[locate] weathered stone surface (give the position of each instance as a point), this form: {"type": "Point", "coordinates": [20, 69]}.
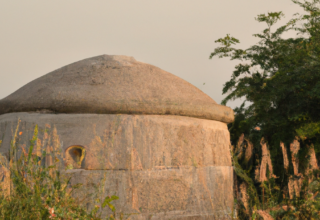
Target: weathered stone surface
{"type": "Point", "coordinates": [124, 142]}
{"type": "Point", "coordinates": [114, 84]}
{"type": "Point", "coordinates": [183, 193]}
{"type": "Point", "coordinates": [160, 166]}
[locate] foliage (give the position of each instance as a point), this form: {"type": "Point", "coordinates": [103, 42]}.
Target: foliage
{"type": "Point", "coordinates": [39, 192]}
{"type": "Point", "coordinates": [279, 78]}
{"type": "Point", "coordinates": [279, 81]}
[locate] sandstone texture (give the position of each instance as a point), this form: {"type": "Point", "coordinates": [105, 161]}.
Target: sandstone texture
{"type": "Point", "coordinates": [187, 193]}
{"type": "Point", "coordinates": [168, 167]}
{"type": "Point", "coordinates": [111, 85]}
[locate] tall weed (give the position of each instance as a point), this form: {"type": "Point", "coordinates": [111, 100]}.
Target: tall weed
{"type": "Point", "coordinates": [30, 190]}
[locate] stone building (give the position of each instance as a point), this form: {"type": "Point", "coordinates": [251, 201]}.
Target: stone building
{"type": "Point", "coordinates": [154, 140]}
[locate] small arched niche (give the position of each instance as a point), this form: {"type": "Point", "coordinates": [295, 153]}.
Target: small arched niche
{"type": "Point", "coordinates": [74, 156]}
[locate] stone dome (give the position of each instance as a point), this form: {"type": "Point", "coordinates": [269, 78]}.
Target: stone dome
{"type": "Point", "coordinates": [109, 84]}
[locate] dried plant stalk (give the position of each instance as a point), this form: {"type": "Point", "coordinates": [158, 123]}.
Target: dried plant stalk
{"type": "Point", "coordinates": [264, 215]}
{"type": "Point", "coordinates": [313, 163]}
{"type": "Point", "coordinates": [298, 185]}
{"type": "Point", "coordinates": [5, 182]}
{"type": "Point", "coordinates": [238, 150]}
{"type": "Point", "coordinates": [294, 148]}
{"type": "Point", "coordinates": [291, 188]}
{"type": "Point", "coordinates": [231, 147]}
{"type": "Point", "coordinates": [285, 156]}
{"type": "Point", "coordinates": [295, 185]}
{"type": "Point", "coordinates": [265, 162]}
{"type": "Point", "coordinates": [249, 151]}
{"type": "Point", "coordinates": [244, 195]}
{"type": "Point", "coordinates": [257, 173]}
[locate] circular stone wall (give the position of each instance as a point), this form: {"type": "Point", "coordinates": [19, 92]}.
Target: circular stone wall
{"type": "Point", "coordinates": [161, 167]}
{"type": "Point", "coordinates": [128, 128]}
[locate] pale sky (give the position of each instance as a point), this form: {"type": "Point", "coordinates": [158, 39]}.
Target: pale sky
{"type": "Point", "coordinates": [37, 37]}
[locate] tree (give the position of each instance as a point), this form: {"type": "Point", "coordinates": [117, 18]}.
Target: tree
{"type": "Point", "coordinates": [279, 80]}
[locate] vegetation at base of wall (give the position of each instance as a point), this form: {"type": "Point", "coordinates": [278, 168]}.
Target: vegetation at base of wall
{"type": "Point", "coordinates": [29, 190]}
{"type": "Point", "coordinates": [299, 199]}
{"type": "Point", "coordinates": [279, 80]}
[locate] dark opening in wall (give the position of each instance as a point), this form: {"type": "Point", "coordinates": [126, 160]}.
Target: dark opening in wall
{"type": "Point", "coordinates": [74, 157]}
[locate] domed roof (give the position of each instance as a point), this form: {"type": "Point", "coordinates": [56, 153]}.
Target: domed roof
{"type": "Point", "coordinates": [113, 85]}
